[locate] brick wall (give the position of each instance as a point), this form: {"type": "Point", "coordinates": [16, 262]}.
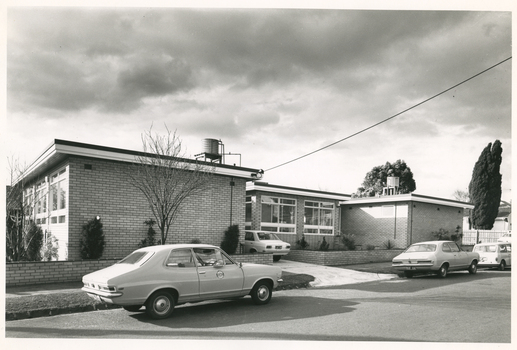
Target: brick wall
{"type": "Point", "coordinates": [429, 218]}
{"type": "Point", "coordinates": [30, 273]}
{"type": "Point", "coordinates": [376, 231]}
{"type": "Point", "coordinates": [103, 189]}
{"type": "Point", "coordinates": [338, 258]}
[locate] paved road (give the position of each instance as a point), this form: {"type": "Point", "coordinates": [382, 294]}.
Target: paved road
{"type": "Point", "coordinates": [460, 308]}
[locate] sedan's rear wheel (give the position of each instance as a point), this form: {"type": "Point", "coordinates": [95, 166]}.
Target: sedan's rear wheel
{"type": "Point", "coordinates": [473, 268]}
{"type": "Point", "coordinates": [502, 266]}
{"type": "Point", "coordinates": [408, 274]}
{"type": "Point", "coordinates": [442, 272]}
{"type": "Point", "coordinates": [160, 305]}
{"type": "Point", "coordinates": [261, 293]}
{"type": "Point", "coordinates": [132, 308]}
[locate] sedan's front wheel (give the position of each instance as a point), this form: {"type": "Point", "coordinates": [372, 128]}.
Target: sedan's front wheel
{"type": "Point", "coordinates": [160, 305]}
{"type": "Point", "coordinates": [473, 268]}
{"type": "Point", "coordinates": [442, 272]}
{"type": "Point", "coordinates": [261, 293]}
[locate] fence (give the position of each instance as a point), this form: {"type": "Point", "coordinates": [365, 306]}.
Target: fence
{"type": "Point", "coordinates": [471, 237]}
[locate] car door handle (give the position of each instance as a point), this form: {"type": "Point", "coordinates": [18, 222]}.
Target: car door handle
{"type": "Point", "coordinates": [202, 272]}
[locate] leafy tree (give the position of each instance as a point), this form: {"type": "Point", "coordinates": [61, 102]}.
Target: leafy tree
{"type": "Point", "coordinates": [231, 239]}
{"type": "Point", "coordinates": [375, 180]}
{"type": "Point", "coordinates": [166, 178]}
{"type": "Point", "coordinates": [485, 187]}
{"type": "Point", "coordinates": [92, 242]}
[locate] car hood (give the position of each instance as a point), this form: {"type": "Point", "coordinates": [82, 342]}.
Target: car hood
{"type": "Point", "coordinates": [250, 267]}
{"type": "Point", "coordinates": [104, 275]}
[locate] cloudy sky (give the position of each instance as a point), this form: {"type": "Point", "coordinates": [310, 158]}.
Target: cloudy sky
{"type": "Point", "coordinates": [272, 84]}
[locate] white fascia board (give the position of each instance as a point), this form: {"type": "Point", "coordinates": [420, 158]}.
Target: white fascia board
{"type": "Point", "coordinates": [131, 158]}
{"type": "Point", "coordinates": [406, 198]}
{"type": "Point", "coordinates": [45, 156]}
{"type": "Point", "coordinates": [295, 192]}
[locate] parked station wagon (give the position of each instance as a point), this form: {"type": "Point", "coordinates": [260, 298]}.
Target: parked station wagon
{"type": "Point", "coordinates": [494, 254]}
{"type": "Point", "coordinates": [265, 242]}
{"type": "Point", "coordinates": [160, 277]}
{"type": "Point", "coordinates": [438, 257]}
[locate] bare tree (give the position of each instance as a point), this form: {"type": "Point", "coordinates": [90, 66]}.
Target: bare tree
{"type": "Point", "coordinates": [23, 237]}
{"type": "Point", "coordinates": [462, 196]}
{"type": "Point", "coordinates": [166, 178]}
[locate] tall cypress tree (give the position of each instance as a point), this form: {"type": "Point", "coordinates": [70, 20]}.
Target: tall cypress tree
{"type": "Point", "coordinates": [485, 187]}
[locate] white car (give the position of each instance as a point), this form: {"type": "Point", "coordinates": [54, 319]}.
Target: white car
{"type": "Point", "coordinates": [160, 277]}
{"type": "Point", "coordinates": [506, 237]}
{"type": "Point", "coordinates": [438, 257]}
{"type": "Point", "coordinates": [265, 242]}
{"type": "Point", "coordinates": [494, 254]}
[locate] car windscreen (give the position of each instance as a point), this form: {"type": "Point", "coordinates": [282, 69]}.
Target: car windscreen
{"type": "Point", "coordinates": [135, 258]}
{"type": "Point", "coordinates": [421, 248]}
{"type": "Point", "coordinates": [266, 236]}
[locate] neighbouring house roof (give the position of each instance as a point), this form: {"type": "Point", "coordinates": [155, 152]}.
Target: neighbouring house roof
{"type": "Point", "coordinates": [264, 186]}
{"type": "Point", "coordinates": [59, 150]}
{"type": "Point", "coordinates": [409, 197]}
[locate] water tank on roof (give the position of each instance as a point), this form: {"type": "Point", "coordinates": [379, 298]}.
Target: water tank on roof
{"type": "Point", "coordinates": [211, 146]}
{"type": "Point", "coordinates": [393, 181]}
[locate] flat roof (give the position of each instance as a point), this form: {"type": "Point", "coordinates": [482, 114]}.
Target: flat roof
{"type": "Point", "coordinates": [264, 186]}
{"type": "Point", "coordinates": [409, 197]}
{"type": "Point", "coordinates": [59, 150]}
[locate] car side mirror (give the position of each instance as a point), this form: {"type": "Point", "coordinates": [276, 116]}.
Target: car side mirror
{"type": "Point", "coordinates": [219, 263]}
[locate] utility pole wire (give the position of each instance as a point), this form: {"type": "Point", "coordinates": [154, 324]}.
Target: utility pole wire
{"type": "Point", "coordinates": [393, 116]}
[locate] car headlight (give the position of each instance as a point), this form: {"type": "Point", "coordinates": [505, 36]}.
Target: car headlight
{"type": "Point", "coordinates": [268, 247]}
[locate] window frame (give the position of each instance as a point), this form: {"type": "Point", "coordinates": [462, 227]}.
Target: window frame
{"type": "Point", "coordinates": [318, 228]}
{"type": "Point", "coordinates": [279, 207]}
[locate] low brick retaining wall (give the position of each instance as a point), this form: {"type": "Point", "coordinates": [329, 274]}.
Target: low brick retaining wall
{"type": "Point", "coordinates": [342, 257]}
{"type": "Point", "coordinates": [41, 272]}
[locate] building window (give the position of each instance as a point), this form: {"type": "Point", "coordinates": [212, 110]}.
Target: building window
{"type": "Point", "coordinates": [58, 197]}
{"type": "Point", "coordinates": [319, 218]}
{"type": "Point", "coordinates": [278, 214]}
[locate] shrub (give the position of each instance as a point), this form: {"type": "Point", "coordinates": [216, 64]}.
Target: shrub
{"type": "Point", "coordinates": [50, 248]}
{"type": "Point", "coordinates": [150, 240]}
{"type": "Point", "coordinates": [388, 245]}
{"type": "Point", "coordinates": [457, 235]}
{"type": "Point", "coordinates": [302, 243]}
{"type": "Point", "coordinates": [370, 247]}
{"type": "Point", "coordinates": [92, 241]}
{"type": "Point", "coordinates": [441, 234]}
{"type": "Point", "coordinates": [231, 239]}
{"type": "Point", "coordinates": [324, 245]}
{"type": "Point", "coordinates": [33, 242]}
{"type": "Point", "coordinates": [195, 241]}
{"type": "Point", "coordinates": [349, 241]}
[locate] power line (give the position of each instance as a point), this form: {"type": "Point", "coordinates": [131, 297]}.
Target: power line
{"type": "Point", "coordinates": [393, 116]}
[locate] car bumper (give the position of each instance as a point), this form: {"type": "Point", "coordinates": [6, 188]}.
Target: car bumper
{"type": "Point", "coordinates": [415, 267]}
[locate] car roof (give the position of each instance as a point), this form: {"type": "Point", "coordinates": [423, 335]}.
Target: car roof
{"type": "Point", "coordinates": [432, 242]}
{"type": "Point", "coordinates": [157, 248]}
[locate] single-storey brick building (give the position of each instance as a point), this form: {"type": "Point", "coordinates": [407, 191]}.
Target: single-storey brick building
{"type": "Point", "coordinates": [402, 219]}
{"type": "Point", "coordinates": [71, 183]}
{"type": "Point", "coordinates": [290, 211]}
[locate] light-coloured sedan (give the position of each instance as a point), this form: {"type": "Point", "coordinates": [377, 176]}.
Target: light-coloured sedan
{"type": "Point", "coordinates": [265, 242]}
{"type": "Point", "coordinates": [438, 257]}
{"type": "Point", "coordinates": [160, 277]}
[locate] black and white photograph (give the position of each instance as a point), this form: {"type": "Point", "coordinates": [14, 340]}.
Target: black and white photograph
{"type": "Point", "coordinates": [245, 174]}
